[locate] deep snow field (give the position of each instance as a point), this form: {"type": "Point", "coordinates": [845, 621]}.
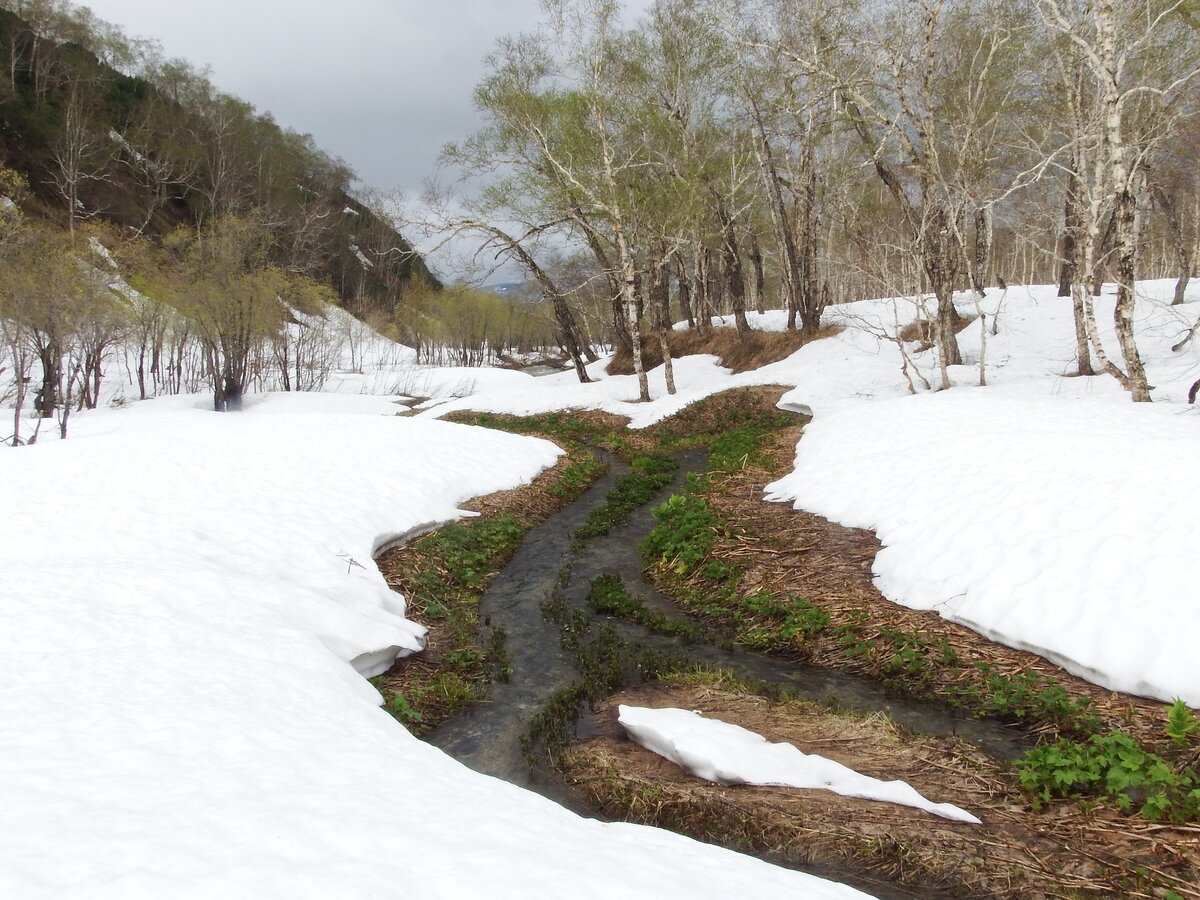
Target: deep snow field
{"type": "Point", "coordinates": [190, 604]}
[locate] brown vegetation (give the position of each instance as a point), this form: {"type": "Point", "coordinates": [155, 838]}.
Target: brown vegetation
{"type": "Point", "coordinates": [797, 553]}
{"type": "Point", "coordinates": [739, 352]}
{"type": "Point", "coordinates": [1069, 851]}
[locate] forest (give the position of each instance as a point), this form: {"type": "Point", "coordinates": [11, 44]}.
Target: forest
{"type": "Point", "coordinates": [713, 157]}
{"type": "Point", "coordinates": [725, 155]}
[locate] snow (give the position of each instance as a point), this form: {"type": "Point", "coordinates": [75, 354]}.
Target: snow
{"type": "Point", "coordinates": [186, 629]}
{"type": "Point", "coordinates": [1061, 527]}
{"type": "Point", "coordinates": [729, 754]}
{"type": "Point", "coordinates": [181, 672]}
{"type": "Point", "coordinates": [1045, 511]}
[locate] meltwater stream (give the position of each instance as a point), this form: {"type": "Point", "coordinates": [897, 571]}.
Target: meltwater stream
{"type": "Point", "coordinates": [487, 738]}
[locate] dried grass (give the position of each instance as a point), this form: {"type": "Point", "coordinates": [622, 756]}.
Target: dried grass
{"type": "Point", "coordinates": [1015, 853]}
{"type": "Point", "coordinates": [790, 551]}
{"type": "Point", "coordinates": [739, 352]}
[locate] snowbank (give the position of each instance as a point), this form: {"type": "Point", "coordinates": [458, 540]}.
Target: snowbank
{"type": "Point", "coordinates": [1062, 527]}
{"type": "Point", "coordinates": [184, 595]}
{"type": "Point", "coordinates": [729, 754]}
{"type": "Point", "coordinates": [1046, 512]}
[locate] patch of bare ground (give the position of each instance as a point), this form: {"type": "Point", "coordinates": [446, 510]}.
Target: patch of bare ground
{"type": "Point", "coordinates": [1071, 852]}
{"type": "Point", "coordinates": [739, 352]}
{"type": "Point", "coordinates": [920, 332]}
{"type": "Point", "coordinates": [793, 552]}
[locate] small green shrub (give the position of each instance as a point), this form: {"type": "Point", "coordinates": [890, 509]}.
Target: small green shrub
{"type": "Point", "coordinates": [1181, 723]}
{"type": "Point", "coordinates": [1027, 697]}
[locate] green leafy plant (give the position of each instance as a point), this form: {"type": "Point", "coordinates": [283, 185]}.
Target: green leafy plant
{"type": "Point", "coordinates": [684, 536]}
{"type": "Point", "coordinates": [608, 596]}
{"type": "Point", "coordinates": [1113, 766]}
{"type": "Point", "coordinates": [1181, 723]}
{"type": "Point", "coordinates": [1027, 697]}
{"type": "Point", "coordinates": [403, 711]}
{"type": "Point", "coordinates": [650, 475]}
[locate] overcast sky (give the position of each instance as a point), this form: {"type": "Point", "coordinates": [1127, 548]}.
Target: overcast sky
{"type": "Point", "coordinates": [383, 84]}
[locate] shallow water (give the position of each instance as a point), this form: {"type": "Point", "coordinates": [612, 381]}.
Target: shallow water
{"type": "Point", "coordinates": [487, 737]}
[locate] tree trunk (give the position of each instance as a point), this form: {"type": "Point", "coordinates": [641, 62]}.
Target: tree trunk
{"type": "Point", "coordinates": [1183, 255]}
{"type": "Point", "coordinates": [983, 249]}
{"type": "Point", "coordinates": [46, 399]}
{"type": "Point", "coordinates": [569, 333]}
{"type": "Point", "coordinates": [622, 339]}
{"type": "Point", "coordinates": [760, 277]}
{"type": "Point", "coordinates": [1070, 242]}
{"type": "Point", "coordinates": [685, 293]}
{"type": "Point", "coordinates": [630, 300]}
{"type": "Point", "coordinates": [781, 221]}
{"type": "Point", "coordinates": [701, 294]}
{"type": "Point", "coordinates": [732, 264]}
{"type": "Point", "coordinates": [1126, 214]}
{"type": "Point", "coordinates": [811, 300]}
{"type": "Point", "coordinates": [940, 257]}
{"type": "Point", "coordinates": [1082, 349]}
{"type": "Point", "coordinates": [1124, 218]}
{"type": "Point", "coordinates": [660, 310]}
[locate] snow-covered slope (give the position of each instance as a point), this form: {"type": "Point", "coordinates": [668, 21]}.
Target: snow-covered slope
{"type": "Point", "coordinates": [1049, 513]}
{"type": "Point", "coordinates": [184, 599]}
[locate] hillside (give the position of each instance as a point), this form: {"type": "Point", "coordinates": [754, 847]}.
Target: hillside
{"type": "Point", "coordinates": [163, 148]}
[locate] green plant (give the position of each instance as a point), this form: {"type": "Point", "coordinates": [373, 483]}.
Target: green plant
{"type": "Point", "coordinates": [609, 597]}
{"type": "Point", "coordinates": [1113, 766]}
{"type": "Point", "coordinates": [684, 536]}
{"type": "Point", "coordinates": [572, 623]}
{"type": "Point", "coordinates": [497, 658]}
{"type": "Point", "coordinates": [1181, 723]}
{"type": "Point", "coordinates": [575, 478]}
{"type": "Point", "coordinates": [1027, 697]}
{"type": "Point", "coordinates": [403, 711]}
{"type": "Point", "coordinates": [738, 448]}
{"type": "Point", "coordinates": [650, 475]}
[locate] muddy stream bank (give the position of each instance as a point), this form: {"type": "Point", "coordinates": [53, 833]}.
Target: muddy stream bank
{"type": "Point", "coordinates": [551, 564]}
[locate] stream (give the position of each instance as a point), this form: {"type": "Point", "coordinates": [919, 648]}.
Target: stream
{"type": "Point", "coordinates": [487, 737]}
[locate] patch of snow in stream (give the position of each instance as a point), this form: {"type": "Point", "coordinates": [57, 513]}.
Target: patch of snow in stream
{"type": "Point", "coordinates": [725, 753]}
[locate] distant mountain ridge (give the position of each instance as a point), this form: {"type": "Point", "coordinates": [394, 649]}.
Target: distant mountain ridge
{"type": "Point", "coordinates": [163, 148]}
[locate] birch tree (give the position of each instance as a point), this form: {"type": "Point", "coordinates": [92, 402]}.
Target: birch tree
{"type": "Point", "coordinates": [1138, 68]}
